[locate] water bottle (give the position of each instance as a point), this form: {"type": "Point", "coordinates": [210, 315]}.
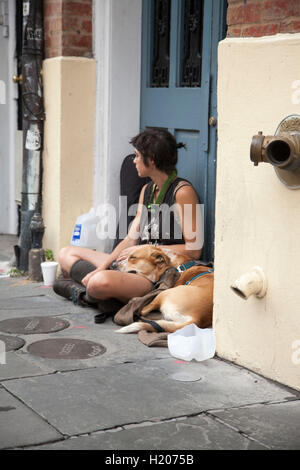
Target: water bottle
{"type": "Point", "coordinates": [85, 231]}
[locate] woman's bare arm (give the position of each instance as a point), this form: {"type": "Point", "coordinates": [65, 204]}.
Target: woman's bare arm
{"type": "Point", "coordinates": [189, 212]}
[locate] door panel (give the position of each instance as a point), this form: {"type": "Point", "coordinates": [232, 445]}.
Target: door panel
{"type": "Point", "coordinates": [189, 167]}
{"type": "Point", "coordinates": [179, 47]}
{"type": "Point", "coordinates": [175, 106]}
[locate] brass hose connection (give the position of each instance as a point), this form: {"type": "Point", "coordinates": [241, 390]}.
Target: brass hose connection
{"type": "Point", "coordinates": [282, 150]}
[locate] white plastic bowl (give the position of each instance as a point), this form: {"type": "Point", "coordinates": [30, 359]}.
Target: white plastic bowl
{"type": "Point", "coordinates": [191, 342]}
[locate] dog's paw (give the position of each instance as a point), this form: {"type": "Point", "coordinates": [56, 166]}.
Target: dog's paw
{"type": "Point", "coordinates": [132, 328]}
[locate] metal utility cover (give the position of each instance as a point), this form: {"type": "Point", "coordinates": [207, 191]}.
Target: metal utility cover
{"type": "Point", "coordinates": [33, 325]}
{"type": "Point", "coordinates": [187, 376]}
{"type": "Point", "coordinates": [66, 348]}
{"type": "Point", "coordinates": [12, 343]}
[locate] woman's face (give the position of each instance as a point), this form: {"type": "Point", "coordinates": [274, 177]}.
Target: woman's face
{"type": "Point", "coordinates": [141, 168]}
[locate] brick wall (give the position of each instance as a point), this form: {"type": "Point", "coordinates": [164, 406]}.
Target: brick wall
{"type": "Point", "coordinates": [262, 17]}
{"type": "Point", "coordinates": [69, 31]}
{"type": "Point", "coordinates": [68, 28]}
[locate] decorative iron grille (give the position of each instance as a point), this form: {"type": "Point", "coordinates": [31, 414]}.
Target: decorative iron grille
{"type": "Point", "coordinates": [161, 43]}
{"type": "Point", "coordinates": [192, 44]}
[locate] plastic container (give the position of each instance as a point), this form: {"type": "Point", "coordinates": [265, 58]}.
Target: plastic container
{"type": "Point", "coordinates": [49, 270]}
{"type": "Point", "coordinates": [191, 342]}
{"type": "Point", "coordinates": [85, 231]}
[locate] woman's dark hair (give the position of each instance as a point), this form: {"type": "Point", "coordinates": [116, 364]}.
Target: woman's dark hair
{"type": "Point", "coordinates": [160, 145]}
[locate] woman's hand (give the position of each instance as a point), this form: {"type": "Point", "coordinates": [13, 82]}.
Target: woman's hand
{"type": "Point", "coordinates": [124, 254]}
{"type": "Point", "coordinates": [87, 278]}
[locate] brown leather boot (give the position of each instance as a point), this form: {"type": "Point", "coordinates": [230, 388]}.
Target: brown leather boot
{"type": "Point", "coordinates": [107, 308]}
{"type": "Point", "coordinates": [70, 290]}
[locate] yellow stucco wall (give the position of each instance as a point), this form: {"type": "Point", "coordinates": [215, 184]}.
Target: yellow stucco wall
{"type": "Point", "coordinates": [257, 217]}
{"type": "Point", "coordinates": [69, 90]}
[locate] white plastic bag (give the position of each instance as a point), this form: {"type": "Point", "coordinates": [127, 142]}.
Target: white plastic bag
{"type": "Point", "coordinates": [191, 342]}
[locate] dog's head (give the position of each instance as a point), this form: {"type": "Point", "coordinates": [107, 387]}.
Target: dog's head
{"type": "Point", "coordinates": [150, 262]}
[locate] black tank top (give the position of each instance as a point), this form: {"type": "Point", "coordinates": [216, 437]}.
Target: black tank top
{"type": "Point", "coordinates": [161, 225]}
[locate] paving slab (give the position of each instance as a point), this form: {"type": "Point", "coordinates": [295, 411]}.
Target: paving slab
{"type": "Point", "coordinates": [88, 400]}
{"type": "Point", "coordinates": [17, 366]}
{"type": "Point", "coordinates": [197, 433]}
{"type": "Point", "coordinates": [228, 383]}
{"type": "Point", "coordinates": [42, 309]}
{"type": "Point", "coordinates": [35, 302]}
{"type": "Point", "coordinates": [4, 259]}
{"type": "Point", "coordinates": [5, 314]}
{"type": "Point", "coordinates": [275, 425]}
{"type": "Point", "coordinates": [20, 426]}
{"type": "Point", "coordinates": [119, 348]}
{"type": "Point", "coordinates": [16, 287]}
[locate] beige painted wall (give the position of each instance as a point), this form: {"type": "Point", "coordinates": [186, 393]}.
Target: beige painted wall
{"type": "Point", "coordinates": [257, 217]}
{"type": "Point", "coordinates": [69, 89]}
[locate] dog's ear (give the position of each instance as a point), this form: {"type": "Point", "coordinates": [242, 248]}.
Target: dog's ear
{"type": "Point", "coordinates": [160, 258]}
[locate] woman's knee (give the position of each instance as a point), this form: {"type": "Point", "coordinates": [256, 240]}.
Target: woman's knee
{"type": "Point", "coordinates": [67, 257]}
{"type": "Point", "coordinates": [99, 286]}
{"type": "Point", "coordinates": [63, 253]}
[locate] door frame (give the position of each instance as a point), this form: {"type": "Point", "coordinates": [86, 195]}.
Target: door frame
{"type": "Point", "coordinates": [117, 50]}
{"type": "Point", "coordinates": [218, 32]}
{"type": "Point", "coordinates": [12, 97]}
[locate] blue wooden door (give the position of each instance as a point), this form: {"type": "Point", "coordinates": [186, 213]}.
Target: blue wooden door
{"type": "Point", "coordinates": [179, 49]}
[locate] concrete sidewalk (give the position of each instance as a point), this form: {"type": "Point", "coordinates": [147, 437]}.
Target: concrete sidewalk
{"type": "Point", "coordinates": [109, 391]}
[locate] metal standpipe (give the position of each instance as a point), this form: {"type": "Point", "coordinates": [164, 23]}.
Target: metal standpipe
{"type": "Point", "coordinates": [33, 122]}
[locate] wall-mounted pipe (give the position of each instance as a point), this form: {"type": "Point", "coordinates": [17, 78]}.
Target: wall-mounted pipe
{"type": "Point", "coordinates": [281, 150]}
{"type": "Point", "coordinates": [253, 282]}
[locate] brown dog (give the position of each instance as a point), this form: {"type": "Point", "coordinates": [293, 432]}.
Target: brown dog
{"type": "Point", "coordinates": [151, 262]}
{"type": "Point", "coordinates": [181, 305]}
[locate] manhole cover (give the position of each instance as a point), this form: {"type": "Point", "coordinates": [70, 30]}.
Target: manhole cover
{"type": "Point", "coordinates": [33, 325]}
{"type": "Point", "coordinates": [66, 348]}
{"type": "Point", "coordinates": [12, 343]}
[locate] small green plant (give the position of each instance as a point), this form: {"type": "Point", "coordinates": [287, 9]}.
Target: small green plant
{"type": "Point", "coordinates": [15, 272]}
{"type": "Point", "coordinates": [49, 255]}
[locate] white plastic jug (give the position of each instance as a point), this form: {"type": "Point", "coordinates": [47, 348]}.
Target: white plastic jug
{"type": "Point", "coordinates": [191, 342]}
{"type": "Point", "coordinates": [85, 231]}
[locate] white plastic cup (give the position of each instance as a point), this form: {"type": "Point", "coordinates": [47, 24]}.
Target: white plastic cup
{"type": "Point", "coordinates": [191, 342]}
{"type": "Point", "coordinates": [49, 270]}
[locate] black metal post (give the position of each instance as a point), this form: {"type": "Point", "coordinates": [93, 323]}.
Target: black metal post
{"type": "Point", "coordinates": [33, 121]}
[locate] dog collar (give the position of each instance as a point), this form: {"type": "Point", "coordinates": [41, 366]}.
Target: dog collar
{"type": "Point", "coordinates": [199, 275]}
{"type": "Point", "coordinates": [184, 267]}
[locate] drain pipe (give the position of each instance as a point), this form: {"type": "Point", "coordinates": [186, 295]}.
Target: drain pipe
{"type": "Point", "coordinates": [253, 282]}
{"type": "Point", "coordinates": [33, 123]}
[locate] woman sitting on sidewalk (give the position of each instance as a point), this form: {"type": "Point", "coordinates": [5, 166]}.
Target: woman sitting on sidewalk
{"type": "Point", "coordinates": [155, 157]}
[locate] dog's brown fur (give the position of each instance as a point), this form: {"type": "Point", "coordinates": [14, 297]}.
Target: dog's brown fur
{"type": "Point", "coordinates": [151, 262]}
{"type": "Point", "coordinates": [180, 305]}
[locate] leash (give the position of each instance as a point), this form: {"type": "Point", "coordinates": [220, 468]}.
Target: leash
{"type": "Point", "coordinates": [155, 325]}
